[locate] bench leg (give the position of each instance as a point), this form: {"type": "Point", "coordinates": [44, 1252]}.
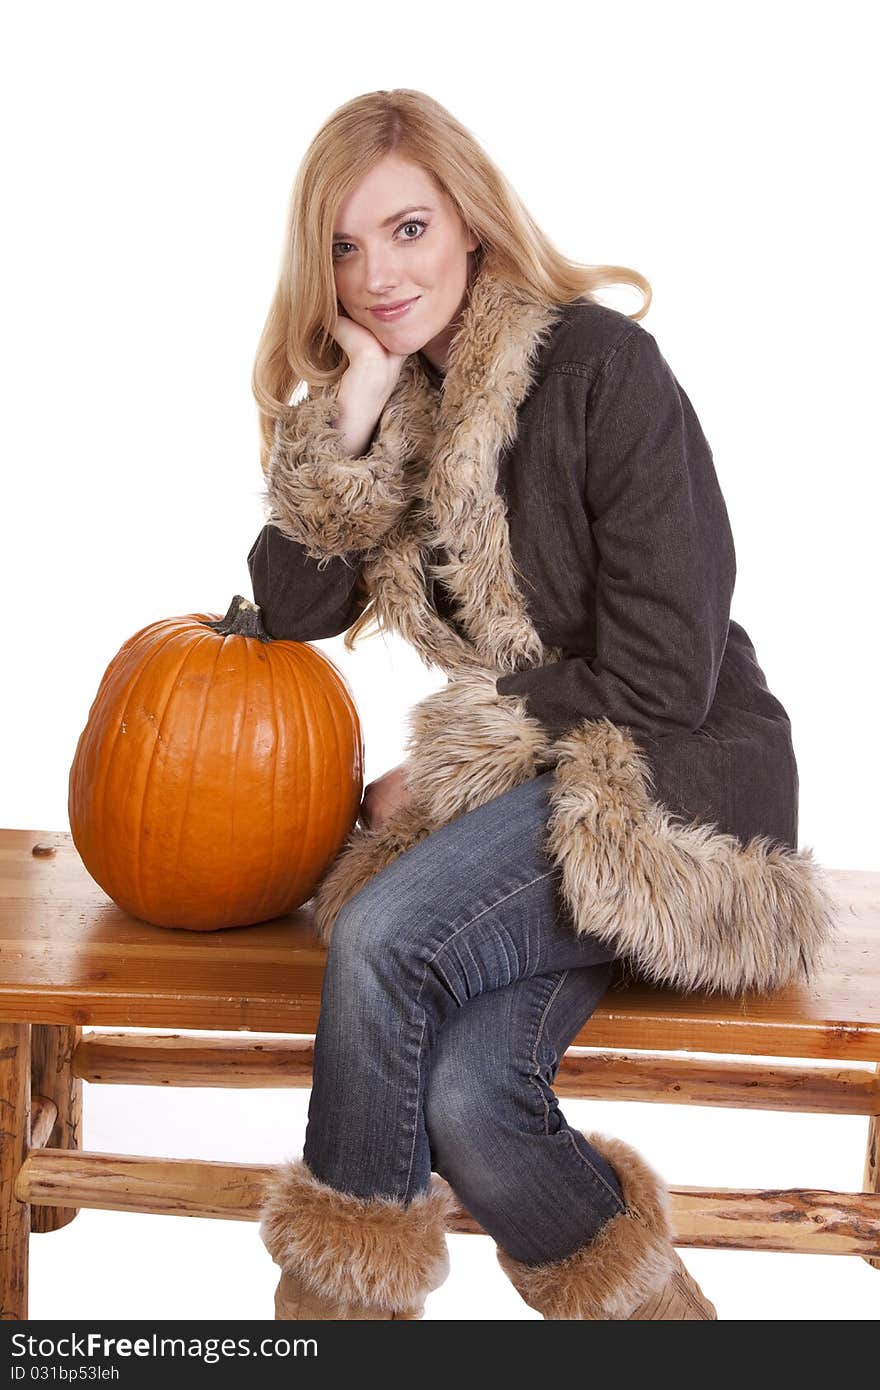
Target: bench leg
{"type": "Point", "coordinates": [15, 1106]}
{"type": "Point", "coordinates": [872, 1166]}
{"type": "Point", "coordinates": [52, 1050]}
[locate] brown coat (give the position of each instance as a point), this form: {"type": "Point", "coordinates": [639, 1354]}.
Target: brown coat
{"type": "Point", "coordinates": [546, 525]}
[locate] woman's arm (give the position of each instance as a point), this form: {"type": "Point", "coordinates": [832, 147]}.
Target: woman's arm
{"type": "Point", "coordinates": [667, 562]}
{"type": "Point", "coordinates": [302, 599]}
{"type": "Point", "coordinates": [321, 497]}
{"type": "Point", "coordinates": [327, 506]}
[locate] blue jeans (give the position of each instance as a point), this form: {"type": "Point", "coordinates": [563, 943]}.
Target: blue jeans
{"type": "Point", "coordinates": [454, 983]}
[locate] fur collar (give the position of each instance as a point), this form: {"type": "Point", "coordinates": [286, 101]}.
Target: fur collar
{"type": "Point", "coordinates": [459, 432]}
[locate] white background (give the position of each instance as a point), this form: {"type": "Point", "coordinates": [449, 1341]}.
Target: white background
{"type": "Point", "coordinates": [726, 151]}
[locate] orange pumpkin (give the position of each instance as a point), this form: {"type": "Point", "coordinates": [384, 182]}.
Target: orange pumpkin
{"type": "Point", "coordinates": [218, 773]}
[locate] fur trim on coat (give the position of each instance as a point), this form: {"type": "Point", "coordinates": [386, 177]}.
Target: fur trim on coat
{"type": "Point", "coordinates": [327, 501]}
{"type": "Point", "coordinates": [692, 907]}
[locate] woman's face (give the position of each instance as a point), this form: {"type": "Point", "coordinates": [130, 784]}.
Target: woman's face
{"type": "Point", "coordinates": [396, 237]}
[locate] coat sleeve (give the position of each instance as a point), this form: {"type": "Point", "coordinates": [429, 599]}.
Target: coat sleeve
{"type": "Point", "coordinates": [302, 599]}
{"type": "Point", "coordinates": [666, 560]}
{"type": "Point", "coordinates": [323, 499]}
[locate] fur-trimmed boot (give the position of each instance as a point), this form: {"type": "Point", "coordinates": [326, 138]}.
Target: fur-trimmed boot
{"type": "Point", "coordinates": [630, 1270]}
{"type": "Point", "coordinates": [348, 1257]}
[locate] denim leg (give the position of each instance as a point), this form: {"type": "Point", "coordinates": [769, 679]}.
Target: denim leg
{"type": "Point", "coordinates": [470, 909]}
{"type": "Point", "coordinates": [496, 1131]}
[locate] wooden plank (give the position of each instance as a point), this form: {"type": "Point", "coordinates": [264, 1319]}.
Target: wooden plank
{"type": "Point", "coordinates": [15, 1114]}
{"type": "Point", "coordinates": [673, 1080]}
{"type": "Point", "coordinates": [68, 955]}
{"type": "Point", "coordinates": [871, 1180]}
{"type": "Point", "coordinates": [797, 1220]}
{"type": "Point", "coordinates": [53, 1079]}
{"type": "Point", "coordinates": [44, 1116]}
{"type": "Point", "coordinates": [132, 1059]}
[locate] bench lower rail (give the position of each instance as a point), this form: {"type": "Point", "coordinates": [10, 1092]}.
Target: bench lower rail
{"type": "Point", "coordinates": [130, 1059]}
{"type": "Point", "coordinates": [799, 1220]}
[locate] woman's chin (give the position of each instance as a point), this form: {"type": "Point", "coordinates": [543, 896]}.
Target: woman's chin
{"type": "Point", "coordinates": [400, 341]}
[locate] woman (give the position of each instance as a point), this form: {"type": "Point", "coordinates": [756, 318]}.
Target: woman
{"type": "Point", "coordinates": [506, 473]}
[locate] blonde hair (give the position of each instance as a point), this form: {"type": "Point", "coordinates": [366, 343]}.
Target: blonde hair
{"type": "Point", "coordinates": [296, 346]}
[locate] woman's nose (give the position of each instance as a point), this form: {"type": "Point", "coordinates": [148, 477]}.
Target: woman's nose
{"type": "Point", "coordinates": [381, 277]}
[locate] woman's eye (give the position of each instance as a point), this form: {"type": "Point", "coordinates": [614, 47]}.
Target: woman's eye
{"type": "Point", "coordinates": [414, 222]}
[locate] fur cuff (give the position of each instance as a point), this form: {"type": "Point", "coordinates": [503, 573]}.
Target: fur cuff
{"type": "Point", "coordinates": [630, 1258]}
{"type": "Point", "coordinates": [354, 1249]}
{"type": "Point", "coordinates": [322, 498]}
{"type": "Point", "coordinates": [469, 743]}
{"type": "Point", "coordinates": [694, 908]}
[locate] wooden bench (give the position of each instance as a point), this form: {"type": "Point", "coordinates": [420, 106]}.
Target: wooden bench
{"type": "Point", "coordinates": [69, 958]}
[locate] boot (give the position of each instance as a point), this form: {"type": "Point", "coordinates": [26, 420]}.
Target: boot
{"type": "Point", "coordinates": [630, 1270]}
{"type": "Point", "coordinates": [296, 1299]}
{"type": "Point", "coordinates": [347, 1257]}
{"type": "Point", "coordinates": [680, 1298]}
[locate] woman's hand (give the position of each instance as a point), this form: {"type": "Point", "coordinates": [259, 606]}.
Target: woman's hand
{"type": "Point", "coordinates": [368, 357]}
{"type": "Point", "coordinates": [384, 796]}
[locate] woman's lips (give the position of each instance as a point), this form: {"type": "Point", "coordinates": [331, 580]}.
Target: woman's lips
{"type": "Point", "coordinates": [387, 315]}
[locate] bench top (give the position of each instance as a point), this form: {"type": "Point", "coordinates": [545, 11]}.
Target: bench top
{"type": "Point", "coordinates": [69, 955]}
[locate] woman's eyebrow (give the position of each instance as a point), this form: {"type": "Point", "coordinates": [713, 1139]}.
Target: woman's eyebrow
{"type": "Point", "coordinates": [395, 217]}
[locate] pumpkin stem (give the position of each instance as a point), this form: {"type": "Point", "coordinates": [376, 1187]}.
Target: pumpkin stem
{"type": "Point", "coordinates": [243, 619]}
